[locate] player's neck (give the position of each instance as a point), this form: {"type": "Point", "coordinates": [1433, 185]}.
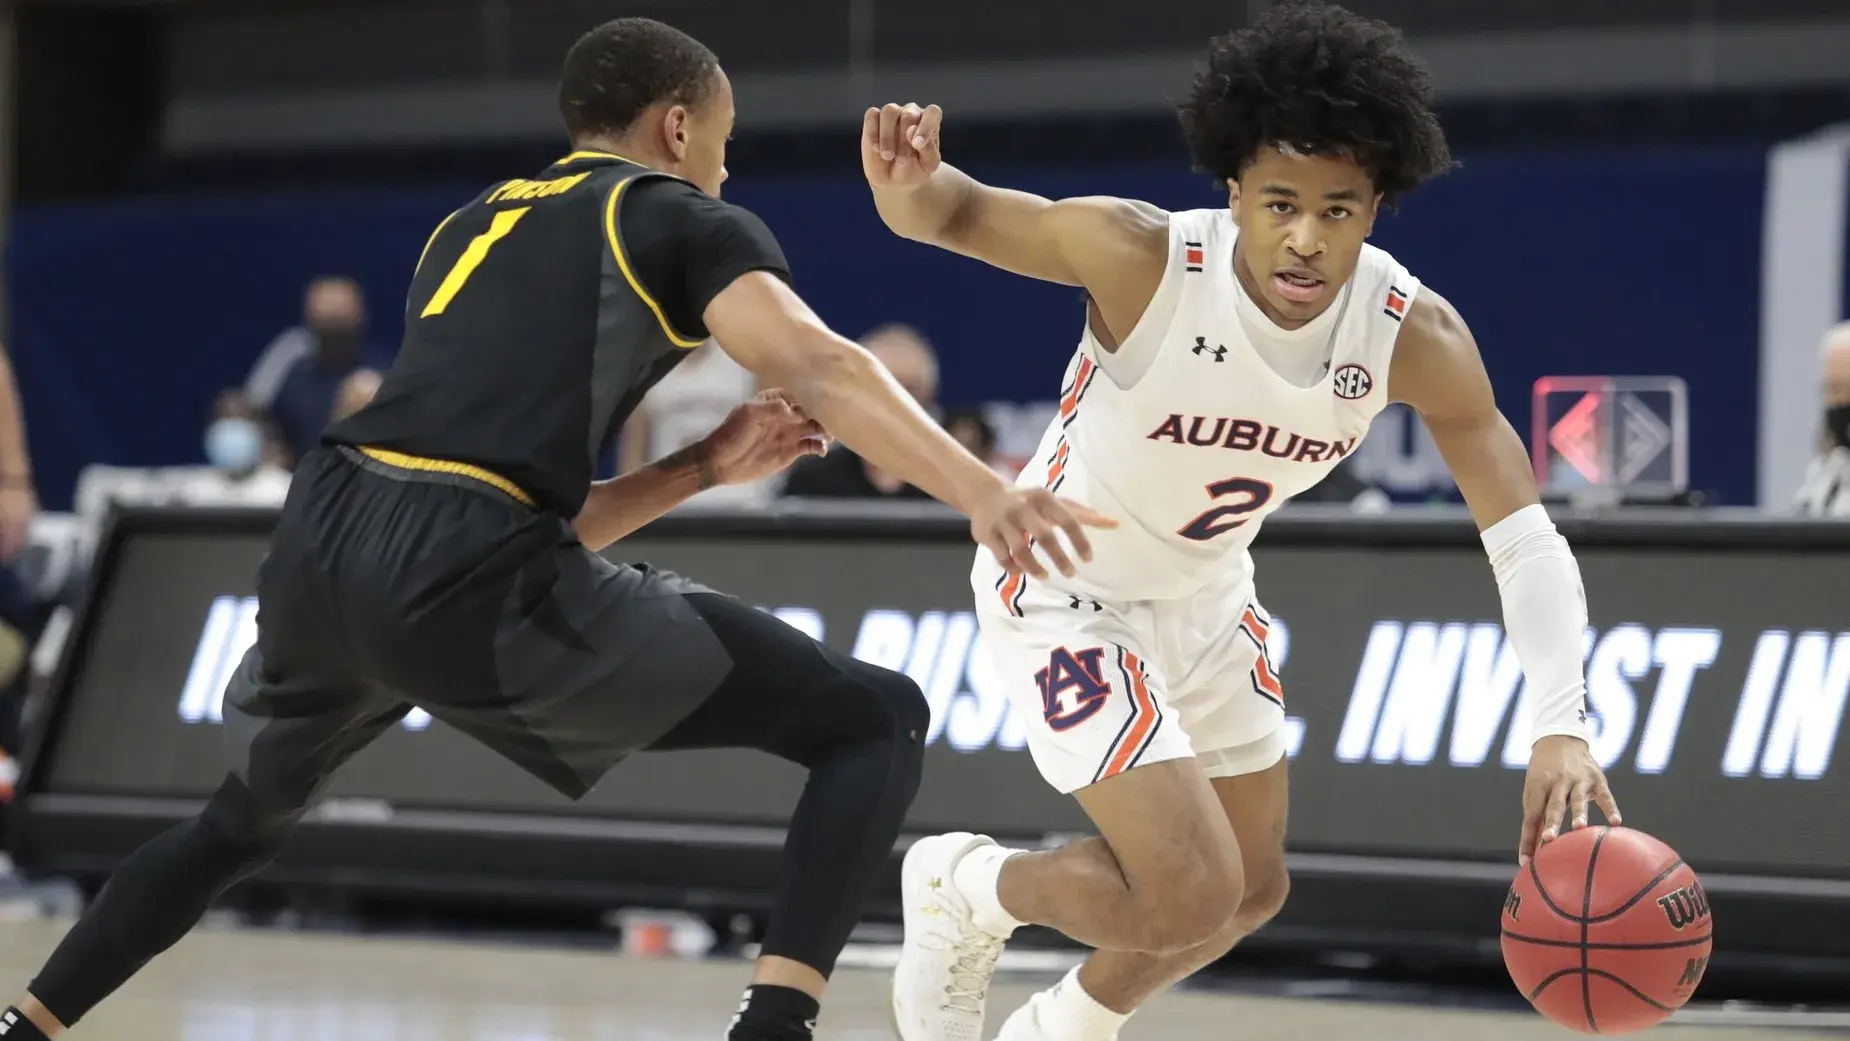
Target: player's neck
{"type": "Point", "coordinates": [628, 148]}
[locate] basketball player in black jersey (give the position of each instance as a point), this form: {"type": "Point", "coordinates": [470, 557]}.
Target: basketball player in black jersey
{"type": "Point", "coordinates": [437, 549]}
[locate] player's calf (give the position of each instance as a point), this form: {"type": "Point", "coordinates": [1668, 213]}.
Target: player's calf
{"type": "Point", "coordinates": [154, 898]}
{"type": "Point", "coordinates": [1165, 876]}
{"type": "Point", "coordinates": [1120, 981]}
{"type": "Point", "coordinates": [1093, 1003]}
{"type": "Point", "coordinates": [860, 732]}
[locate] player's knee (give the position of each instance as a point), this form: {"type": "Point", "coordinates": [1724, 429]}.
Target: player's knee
{"type": "Point", "coordinates": [1200, 906]}
{"type": "Point", "coordinates": [889, 710]}
{"type": "Point", "coordinates": [245, 828]}
{"type": "Point", "coordinates": [911, 711]}
{"type": "Point", "coordinates": [1267, 888]}
{"type": "Point", "coordinates": [911, 721]}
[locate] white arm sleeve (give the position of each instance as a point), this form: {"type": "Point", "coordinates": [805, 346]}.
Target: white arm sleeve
{"type": "Point", "coordinates": [1545, 614]}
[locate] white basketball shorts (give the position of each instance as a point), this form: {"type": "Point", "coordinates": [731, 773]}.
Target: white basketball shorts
{"type": "Point", "coordinates": [1104, 687]}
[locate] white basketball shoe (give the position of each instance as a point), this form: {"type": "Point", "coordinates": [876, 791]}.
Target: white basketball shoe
{"type": "Point", "coordinates": [941, 985]}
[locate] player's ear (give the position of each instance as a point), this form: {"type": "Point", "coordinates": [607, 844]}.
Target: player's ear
{"type": "Point", "coordinates": [1233, 199]}
{"type": "Point", "coordinates": [1373, 212]}
{"type": "Point", "coordinates": [674, 127]}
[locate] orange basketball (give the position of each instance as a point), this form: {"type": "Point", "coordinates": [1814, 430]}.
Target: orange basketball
{"type": "Point", "coordinates": [1606, 931]}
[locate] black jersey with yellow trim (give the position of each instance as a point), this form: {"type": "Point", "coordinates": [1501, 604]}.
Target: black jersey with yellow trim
{"type": "Point", "coordinates": [543, 310]}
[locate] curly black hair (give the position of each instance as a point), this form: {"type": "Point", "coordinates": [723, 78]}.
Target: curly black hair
{"type": "Point", "coordinates": [1322, 80]}
{"type": "Point", "coordinates": [620, 68]}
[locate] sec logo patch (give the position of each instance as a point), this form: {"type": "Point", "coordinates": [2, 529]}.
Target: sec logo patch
{"type": "Point", "coordinates": [1352, 382]}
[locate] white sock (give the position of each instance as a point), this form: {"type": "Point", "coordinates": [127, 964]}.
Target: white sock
{"type": "Point", "coordinates": [976, 876]}
{"type": "Point", "coordinates": [1068, 1012]}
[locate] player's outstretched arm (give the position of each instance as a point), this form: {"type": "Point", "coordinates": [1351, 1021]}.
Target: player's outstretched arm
{"type": "Point", "coordinates": [768, 329]}
{"type": "Point", "coordinates": [1438, 371]}
{"type": "Point", "coordinates": [1109, 246]}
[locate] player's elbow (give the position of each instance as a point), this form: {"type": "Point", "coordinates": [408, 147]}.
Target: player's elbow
{"type": "Point", "coordinates": [826, 368]}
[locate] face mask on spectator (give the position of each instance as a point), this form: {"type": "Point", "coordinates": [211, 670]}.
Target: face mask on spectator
{"type": "Point", "coordinates": [234, 444]}
{"type": "Point", "coordinates": [1837, 421]}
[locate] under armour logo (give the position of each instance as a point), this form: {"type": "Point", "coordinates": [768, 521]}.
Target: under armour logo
{"type": "Point", "coordinates": [1077, 600]}
{"type": "Point", "coordinates": [1201, 347]}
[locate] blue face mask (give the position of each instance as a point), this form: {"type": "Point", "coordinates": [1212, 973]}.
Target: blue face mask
{"type": "Point", "coordinates": [234, 445]}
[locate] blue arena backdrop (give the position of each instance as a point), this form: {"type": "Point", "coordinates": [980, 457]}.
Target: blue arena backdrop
{"type": "Point", "coordinates": [128, 316]}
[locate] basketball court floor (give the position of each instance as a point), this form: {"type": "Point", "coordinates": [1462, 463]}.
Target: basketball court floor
{"type": "Point", "coordinates": [275, 986]}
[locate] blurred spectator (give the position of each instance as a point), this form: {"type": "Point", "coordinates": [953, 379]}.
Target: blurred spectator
{"type": "Point", "coordinates": [19, 500]}
{"type": "Point", "coordinates": [972, 430]}
{"type": "Point", "coordinates": [22, 614]}
{"type": "Point", "coordinates": [687, 405]}
{"type": "Point", "coordinates": [1826, 491]}
{"type": "Point", "coordinates": [18, 503]}
{"type": "Point", "coordinates": [299, 375]}
{"type": "Point", "coordinates": [843, 475]}
{"type": "Point", "coordinates": [245, 466]}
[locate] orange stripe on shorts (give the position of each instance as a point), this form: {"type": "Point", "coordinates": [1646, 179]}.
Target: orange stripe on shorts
{"type": "Point", "coordinates": [1144, 715]}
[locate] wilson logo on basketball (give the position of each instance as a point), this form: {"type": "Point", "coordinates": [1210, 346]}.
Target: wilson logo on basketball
{"type": "Point", "coordinates": [1512, 906]}
{"type": "Point", "coordinates": [1353, 382]}
{"type": "Point", "coordinates": [1685, 906]}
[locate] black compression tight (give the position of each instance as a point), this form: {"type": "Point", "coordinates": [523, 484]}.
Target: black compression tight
{"type": "Point", "coordinates": [859, 730]}
{"type": "Point", "coordinates": [158, 893]}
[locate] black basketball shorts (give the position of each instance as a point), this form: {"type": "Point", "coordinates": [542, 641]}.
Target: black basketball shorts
{"type": "Point", "coordinates": [388, 587]}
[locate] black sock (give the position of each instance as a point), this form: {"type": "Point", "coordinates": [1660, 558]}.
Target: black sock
{"type": "Point", "coordinates": [14, 1026]}
{"type": "Point", "coordinates": [773, 1014]}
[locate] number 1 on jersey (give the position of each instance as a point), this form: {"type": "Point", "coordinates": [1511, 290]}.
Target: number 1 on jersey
{"type": "Point", "coordinates": [471, 259]}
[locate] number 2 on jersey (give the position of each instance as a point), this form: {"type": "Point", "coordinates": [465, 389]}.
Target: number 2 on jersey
{"type": "Point", "coordinates": [471, 259]}
{"type": "Point", "coordinates": [1252, 494]}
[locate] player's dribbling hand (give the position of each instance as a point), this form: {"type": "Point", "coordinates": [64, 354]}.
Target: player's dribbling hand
{"type": "Point", "coordinates": [762, 436]}
{"type": "Point", "coordinates": [1014, 522]}
{"type": "Point", "coordinates": [1563, 778]}
{"type": "Point", "coordinates": [899, 145]}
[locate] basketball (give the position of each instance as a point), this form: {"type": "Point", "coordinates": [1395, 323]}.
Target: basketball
{"type": "Point", "coordinates": [1606, 931]}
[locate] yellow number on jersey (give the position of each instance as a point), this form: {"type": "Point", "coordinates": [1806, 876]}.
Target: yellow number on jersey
{"type": "Point", "coordinates": [472, 258]}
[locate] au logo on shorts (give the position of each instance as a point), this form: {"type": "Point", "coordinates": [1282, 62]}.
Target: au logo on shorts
{"type": "Point", "coordinates": [1073, 686]}
{"type": "Point", "coordinates": [1353, 382]}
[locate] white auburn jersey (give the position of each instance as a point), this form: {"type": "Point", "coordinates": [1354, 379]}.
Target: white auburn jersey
{"type": "Point", "coordinates": [1190, 437]}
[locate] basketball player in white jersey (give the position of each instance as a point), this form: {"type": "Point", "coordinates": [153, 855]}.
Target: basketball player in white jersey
{"type": "Point", "coordinates": [1231, 358]}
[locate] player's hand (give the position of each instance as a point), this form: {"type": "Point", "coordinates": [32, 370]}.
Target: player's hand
{"type": "Point", "coordinates": [1014, 522]}
{"type": "Point", "coordinates": [1563, 778]}
{"type": "Point", "coordinates": [761, 437]}
{"type": "Point", "coordinates": [900, 146]}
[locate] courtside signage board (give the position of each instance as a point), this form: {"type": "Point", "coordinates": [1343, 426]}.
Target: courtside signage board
{"type": "Point", "coordinates": [1718, 663]}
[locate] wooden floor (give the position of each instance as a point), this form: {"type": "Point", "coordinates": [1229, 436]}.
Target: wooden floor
{"type": "Point", "coordinates": [265, 986]}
